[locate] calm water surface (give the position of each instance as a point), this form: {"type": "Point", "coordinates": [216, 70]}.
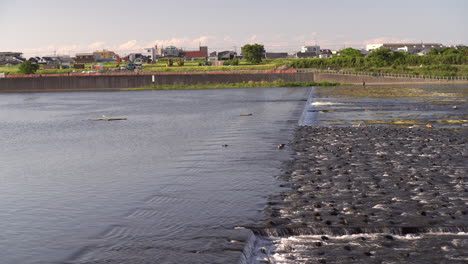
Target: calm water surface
{"type": "Point", "coordinates": [157, 188]}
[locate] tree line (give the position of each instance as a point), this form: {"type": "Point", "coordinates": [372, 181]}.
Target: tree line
{"type": "Point", "coordinates": [384, 57]}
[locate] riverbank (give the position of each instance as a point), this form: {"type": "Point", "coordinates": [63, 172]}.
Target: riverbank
{"type": "Point", "coordinates": [370, 194]}
{"type": "Point", "coordinates": [249, 84]}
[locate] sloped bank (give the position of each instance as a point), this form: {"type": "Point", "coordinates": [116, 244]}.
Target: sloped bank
{"type": "Point", "coordinates": [117, 82]}
{"type": "Point", "coordinates": [369, 195]}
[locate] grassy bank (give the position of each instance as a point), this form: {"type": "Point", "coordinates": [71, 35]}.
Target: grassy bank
{"type": "Point", "coordinates": [230, 85]}
{"type": "Point", "coordinates": [188, 67]}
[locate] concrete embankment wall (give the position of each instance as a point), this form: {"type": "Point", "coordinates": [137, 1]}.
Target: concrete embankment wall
{"type": "Point", "coordinates": [115, 82]}
{"type": "Point", "coordinates": [359, 79]}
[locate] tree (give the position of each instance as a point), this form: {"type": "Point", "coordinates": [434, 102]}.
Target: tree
{"type": "Point", "coordinates": [180, 62]}
{"type": "Point", "coordinates": [28, 67]}
{"type": "Point", "coordinates": [350, 52]}
{"type": "Point", "coordinates": [253, 52]}
{"type": "Point", "coordinates": [380, 57]}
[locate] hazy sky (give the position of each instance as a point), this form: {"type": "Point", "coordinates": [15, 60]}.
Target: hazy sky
{"type": "Point", "coordinates": [40, 27]}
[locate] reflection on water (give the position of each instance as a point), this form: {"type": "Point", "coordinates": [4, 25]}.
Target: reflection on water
{"type": "Point", "coordinates": [158, 186]}
{"type": "Point", "coordinates": [405, 106]}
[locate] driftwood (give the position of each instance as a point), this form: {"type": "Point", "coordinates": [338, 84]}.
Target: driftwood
{"type": "Point", "coordinates": [107, 119]}
{"type": "Point", "coordinates": [248, 114]}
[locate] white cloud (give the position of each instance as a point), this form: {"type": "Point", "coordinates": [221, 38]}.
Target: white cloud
{"type": "Point", "coordinates": [129, 45]}
{"type": "Point", "coordinates": [252, 38]}
{"type": "Point", "coordinates": [388, 40]}
{"type": "Point", "coordinates": [97, 45]}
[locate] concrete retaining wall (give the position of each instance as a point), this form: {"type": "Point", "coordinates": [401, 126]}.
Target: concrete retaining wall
{"type": "Point", "coordinates": [109, 82]}
{"type": "Point", "coordinates": [115, 82]}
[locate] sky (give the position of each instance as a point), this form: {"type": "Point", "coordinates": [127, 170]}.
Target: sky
{"type": "Point", "coordinates": [47, 27]}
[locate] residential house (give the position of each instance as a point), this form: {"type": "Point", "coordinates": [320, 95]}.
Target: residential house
{"type": "Point", "coordinates": [105, 55]}
{"type": "Point", "coordinates": [47, 60]}
{"type": "Point", "coordinates": [84, 58]}
{"type": "Point", "coordinates": [315, 49]}
{"type": "Point", "coordinates": [11, 58]}
{"type": "Point", "coordinates": [195, 55]}
{"type": "Point", "coordinates": [413, 48]}
{"type": "Point", "coordinates": [139, 58]}
{"type": "Point", "coordinates": [325, 53]}
{"type": "Point", "coordinates": [306, 54]}
{"type": "Point", "coordinates": [201, 54]}
{"type": "Point", "coordinates": [308, 51]}
{"type": "Point", "coordinates": [227, 55]}
{"type": "Point", "coordinates": [34, 60]}
{"type": "Point", "coordinates": [171, 51]}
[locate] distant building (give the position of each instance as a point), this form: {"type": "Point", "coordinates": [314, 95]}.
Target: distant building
{"type": "Point", "coordinates": [315, 49]}
{"type": "Point", "coordinates": [12, 58]}
{"type": "Point", "coordinates": [139, 58]}
{"type": "Point", "coordinates": [276, 55]}
{"type": "Point", "coordinates": [308, 52]}
{"type": "Point", "coordinates": [105, 55]}
{"type": "Point", "coordinates": [195, 55]}
{"type": "Point", "coordinates": [34, 60]}
{"type": "Point", "coordinates": [170, 51]}
{"type": "Point", "coordinates": [85, 57]}
{"type": "Point", "coordinates": [213, 57]}
{"type": "Point", "coordinates": [201, 54]}
{"type": "Point", "coordinates": [227, 55]}
{"type": "Point", "coordinates": [47, 60]}
{"type": "Point", "coordinates": [325, 53]}
{"type": "Point", "coordinates": [412, 48]}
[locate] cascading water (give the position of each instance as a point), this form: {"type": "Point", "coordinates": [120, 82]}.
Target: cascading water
{"type": "Point", "coordinates": [367, 195]}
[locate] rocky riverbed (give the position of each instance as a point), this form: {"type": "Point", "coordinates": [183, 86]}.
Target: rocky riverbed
{"type": "Point", "coordinates": [370, 195]}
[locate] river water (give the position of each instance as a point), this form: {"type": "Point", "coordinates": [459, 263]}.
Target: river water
{"type": "Point", "coordinates": [159, 187]}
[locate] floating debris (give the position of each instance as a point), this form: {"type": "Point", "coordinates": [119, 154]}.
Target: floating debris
{"type": "Point", "coordinates": [281, 146]}
{"type": "Point", "coordinates": [246, 114]}
{"type": "Point", "coordinates": [107, 119]}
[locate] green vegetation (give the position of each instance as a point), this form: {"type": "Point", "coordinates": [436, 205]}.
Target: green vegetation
{"type": "Point", "coordinates": [425, 70]}
{"type": "Point", "coordinates": [156, 68]}
{"type": "Point", "coordinates": [443, 62]}
{"type": "Point", "coordinates": [233, 62]}
{"type": "Point", "coordinates": [180, 62]}
{"type": "Point", "coordinates": [28, 67]}
{"type": "Point", "coordinates": [350, 52]}
{"type": "Point", "coordinates": [250, 84]}
{"type": "Point", "coordinates": [440, 62]}
{"type": "Point", "coordinates": [253, 52]}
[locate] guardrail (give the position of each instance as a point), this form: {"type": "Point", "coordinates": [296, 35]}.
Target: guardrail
{"type": "Point", "coordinates": [374, 74]}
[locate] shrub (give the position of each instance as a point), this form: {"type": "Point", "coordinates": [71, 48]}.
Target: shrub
{"type": "Point", "coordinates": [28, 67]}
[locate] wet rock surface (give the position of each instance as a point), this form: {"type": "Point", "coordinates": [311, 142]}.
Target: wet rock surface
{"type": "Point", "coordinates": [371, 195]}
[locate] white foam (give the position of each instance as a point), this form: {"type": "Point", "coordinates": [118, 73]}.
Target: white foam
{"type": "Point", "coordinates": [324, 103]}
